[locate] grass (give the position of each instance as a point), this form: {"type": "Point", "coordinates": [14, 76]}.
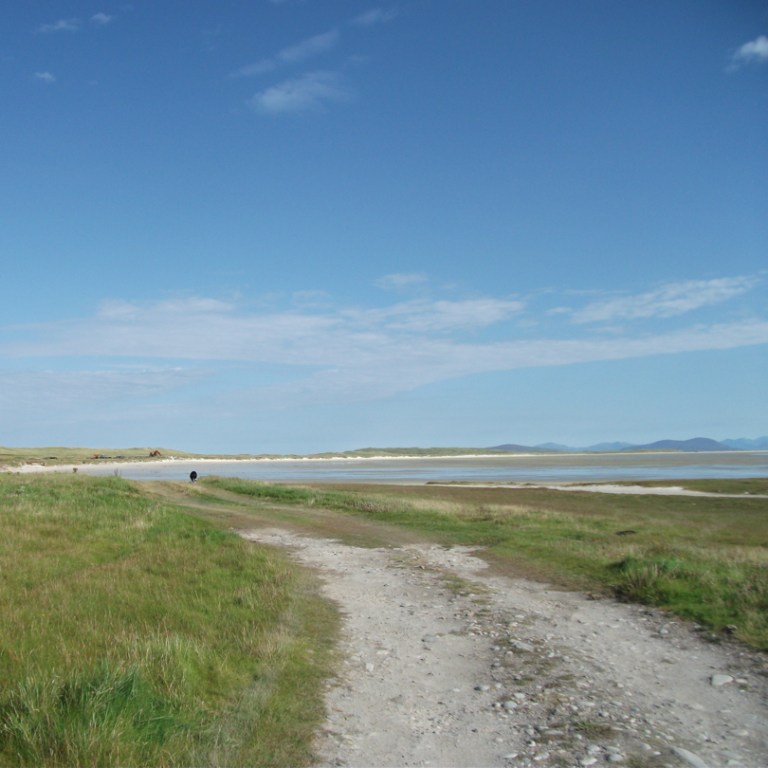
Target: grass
{"type": "Point", "coordinates": [134, 633]}
{"type": "Point", "coordinates": [58, 455]}
{"type": "Point", "coordinates": [705, 559]}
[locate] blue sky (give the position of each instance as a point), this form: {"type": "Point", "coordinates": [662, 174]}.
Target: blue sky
{"type": "Point", "coordinates": [296, 226]}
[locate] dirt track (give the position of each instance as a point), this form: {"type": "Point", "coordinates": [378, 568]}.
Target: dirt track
{"type": "Point", "coordinates": [446, 666]}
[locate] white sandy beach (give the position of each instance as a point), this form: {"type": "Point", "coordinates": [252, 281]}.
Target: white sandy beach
{"type": "Point", "coordinates": [109, 466]}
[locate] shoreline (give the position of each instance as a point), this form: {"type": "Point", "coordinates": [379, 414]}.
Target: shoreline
{"type": "Point", "coordinates": [608, 487]}
{"type": "Point", "coordinates": [31, 467]}
{"type": "Point", "coordinates": [38, 467]}
{"type": "Point", "coordinates": [110, 464]}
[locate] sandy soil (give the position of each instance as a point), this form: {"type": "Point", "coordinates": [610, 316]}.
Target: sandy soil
{"type": "Point", "coordinates": [635, 490]}
{"type": "Point", "coordinates": [446, 664]}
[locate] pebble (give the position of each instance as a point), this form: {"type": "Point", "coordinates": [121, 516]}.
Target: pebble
{"type": "Point", "coordinates": [369, 667]}
{"type": "Point", "coordinates": [689, 757]}
{"type": "Point", "coordinates": [585, 761]}
{"type": "Point", "coordinates": [520, 696]}
{"type": "Point", "coordinates": [615, 758]}
{"type": "Point", "coordinates": [593, 748]}
{"type": "Point", "coordinates": [718, 680]}
{"type": "Point", "coordinates": [509, 705]}
{"type": "Point", "coordinates": [741, 732]}
{"type": "Point", "coordinates": [521, 646]}
{"type": "Point", "coordinates": [482, 687]}
{"type": "Point", "coordinates": [510, 756]}
{"type": "Point", "coordinates": [541, 756]}
{"type": "Point", "coordinates": [430, 639]}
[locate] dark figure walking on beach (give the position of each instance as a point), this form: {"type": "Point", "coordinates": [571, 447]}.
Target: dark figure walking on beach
{"type": "Point", "coordinates": [192, 476]}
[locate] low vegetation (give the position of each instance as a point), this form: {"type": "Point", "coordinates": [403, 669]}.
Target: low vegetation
{"type": "Point", "coordinates": [136, 634]}
{"type": "Point", "coordinates": [704, 558]}
{"type": "Point", "coordinates": [56, 456]}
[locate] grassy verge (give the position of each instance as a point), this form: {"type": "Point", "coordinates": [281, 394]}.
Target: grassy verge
{"type": "Point", "coordinates": [704, 558]}
{"type": "Point", "coordinates": [133, 633]}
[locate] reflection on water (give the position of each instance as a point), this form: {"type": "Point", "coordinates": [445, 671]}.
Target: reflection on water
{"type": "Point", "coordinates": [558, 468]}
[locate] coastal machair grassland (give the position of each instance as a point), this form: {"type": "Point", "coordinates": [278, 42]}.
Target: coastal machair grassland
{"type": "Point", "coordinates": [139, 629]}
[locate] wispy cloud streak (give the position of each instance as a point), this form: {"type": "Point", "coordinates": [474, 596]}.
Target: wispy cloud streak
{"type": "Point", "coordinates": [366, 353]}
{"type": "Point", "coordinates": [375, 16]}
{"type": "Point", "coordinates": [401, 280]}
{"type": "Point", "coordinates": [667, 301]}
{"type": "Point", "coordinates": [309, 92]}
{"type": "Point", "coordinates": [62, 25]}
{"type": "Point", "coordinates": [294, 54]}
{"type": "Point", "coordinates": [310, 47]}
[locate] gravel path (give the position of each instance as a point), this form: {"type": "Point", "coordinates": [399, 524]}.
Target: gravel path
{"type": "Point", "coordinates": [448, 666]}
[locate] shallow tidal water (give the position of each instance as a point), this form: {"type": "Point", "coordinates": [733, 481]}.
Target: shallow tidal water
{"type": "Point", "coordinates": [562, 468]}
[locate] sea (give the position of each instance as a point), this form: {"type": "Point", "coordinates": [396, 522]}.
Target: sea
{"type": "Point", "coordinates": [515, 468]}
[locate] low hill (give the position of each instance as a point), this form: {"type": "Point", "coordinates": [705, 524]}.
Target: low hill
{"type": "Point", "coordinates": [745, 444]}
{"type": "Point", "coordinates": [695, 444]}
{"type": "Point", "coordinates": [372, 452]}
{"type": "Point", "coordinates": [513, 448]}
{"type": "Point", "coordinates": [598, 447]}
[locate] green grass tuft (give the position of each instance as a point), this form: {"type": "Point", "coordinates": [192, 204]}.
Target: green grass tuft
{"type": "Point", "coordinates": [134, 633]}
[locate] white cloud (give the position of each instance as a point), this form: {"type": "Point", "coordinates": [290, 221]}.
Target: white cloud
{"type": "Point", "coordinates": [375, 16]}
{"type": "Point", "coordinates": [62, 25]}
{"type": "Point", "coordinates": [100, 19]}
{"type": "Point", "coordinates": [312, 299]}
{"type": "Point", "coordinates": [361, 353]}
{"type": "Point", "coordinates": [401, 280]}
{"type": "Point", "coordinates": [45, 77]}
{"type": "Point", "coordinates": [755, 51]}
{"type": "Point", "coordinates": [294, 54]}
{"type": "Point", "coordinates": [426, 316]}
{"type": "Point", "coordinates": [253, 70]}
{"type": "Point", "coordinates": [308, 92]}
{"type": "Point", "coordinates": [668, 301]}
{"type": "Point", "coordinates": [310, 47]}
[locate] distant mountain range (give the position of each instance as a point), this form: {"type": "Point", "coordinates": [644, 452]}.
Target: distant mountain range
{"type": "Point", "coordinates": [695, 444]}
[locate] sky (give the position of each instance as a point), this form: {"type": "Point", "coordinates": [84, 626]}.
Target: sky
{"type": "Point", "coordinates": [294, 226]}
